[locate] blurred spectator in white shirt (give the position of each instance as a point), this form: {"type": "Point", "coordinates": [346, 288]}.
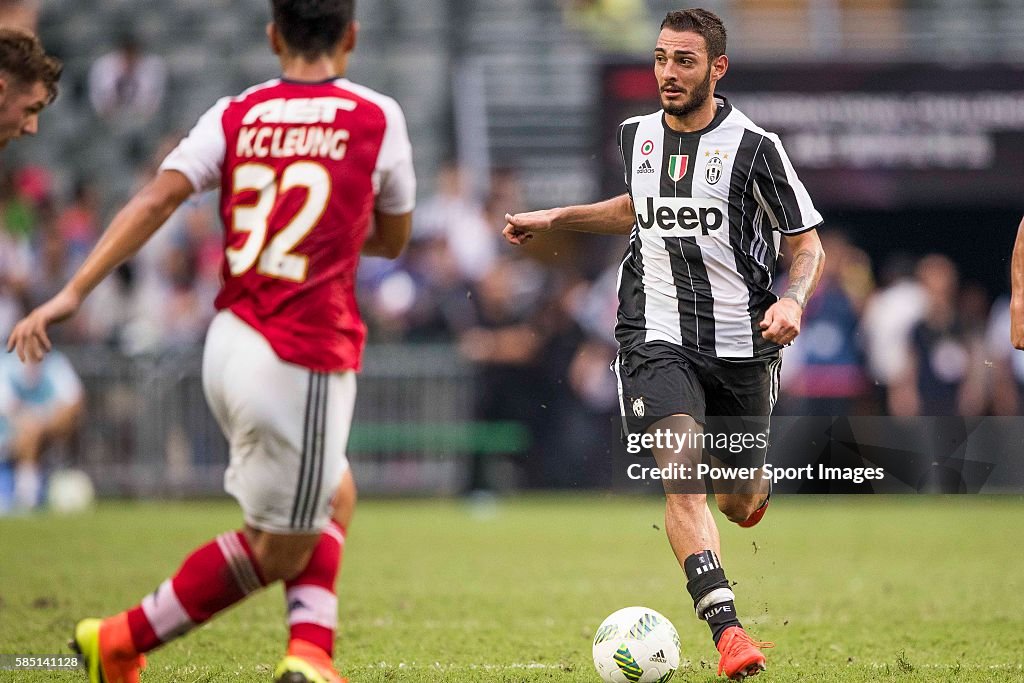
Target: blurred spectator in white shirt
{"type": "Point", "coordinates": [889, 316]}
{"type": "Point", "coordinates": [454, 215]}
{"type": "Point", "coordinates": [127, 85]}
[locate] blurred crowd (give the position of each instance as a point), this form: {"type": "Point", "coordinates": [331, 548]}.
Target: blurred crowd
{"type": "Point", "coordinates": [895, 333]}
{"type": "Point", "coordinates": [904, 337]}
{"type": "Point", "coordinates": [160, 299]}
{"type": "Point", "coordinates": [919, 340]}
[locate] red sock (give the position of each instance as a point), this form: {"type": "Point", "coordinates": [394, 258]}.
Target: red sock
{"type": "Point", "coordinates": [311, 598]}
{"type": "Point", "coordinates": [212, 578]}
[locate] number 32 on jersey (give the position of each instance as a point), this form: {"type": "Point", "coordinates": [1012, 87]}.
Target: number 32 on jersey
{"type": "Point", "coordinates": [276, 258]}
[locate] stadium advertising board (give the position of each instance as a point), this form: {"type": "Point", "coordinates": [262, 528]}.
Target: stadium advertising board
{"type": "Point", "coordinates": [873, 136]}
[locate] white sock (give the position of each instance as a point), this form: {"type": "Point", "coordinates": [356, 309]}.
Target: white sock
{"type": "Point", "coordinates": [28, 482]}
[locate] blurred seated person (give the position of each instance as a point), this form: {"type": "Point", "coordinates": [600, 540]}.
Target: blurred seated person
{"type": "Point", "coordinates": [945, 375]}
{"type": "Point", "coordinates": [40, 407]}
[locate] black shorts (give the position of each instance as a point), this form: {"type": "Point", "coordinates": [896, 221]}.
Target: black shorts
{"type": "Point", "coordinates": [727, 397]}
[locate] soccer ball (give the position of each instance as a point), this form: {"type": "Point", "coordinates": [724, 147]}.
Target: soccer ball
{"type": "Point", "coordinates": [636, 645]}
{"type": "Point", "coordinates": [70, 491]}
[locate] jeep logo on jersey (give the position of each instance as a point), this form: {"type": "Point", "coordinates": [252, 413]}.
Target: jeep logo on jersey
{"type": "Point", "coordinates": [679, 216]}
{"type": "Point", "coordinates": [298, 110]}
{"type": "Point", "coordinates": [713, 170]}
{"type": "Point", "coordinates": [677, 164]}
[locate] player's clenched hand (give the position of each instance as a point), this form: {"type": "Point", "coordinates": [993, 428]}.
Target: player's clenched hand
{"type": "Point", "coordinates": [29, 337]}
{"type": "Point", "coordinates": [781, 322]}
{"type": "Point", "coordinates": [521, 227]}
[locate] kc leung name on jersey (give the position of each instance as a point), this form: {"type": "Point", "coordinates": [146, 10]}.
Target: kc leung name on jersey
{"type": "Point", "coordinates": [711, 208]}
{"type": "Point", "coordinates": [261, 136]}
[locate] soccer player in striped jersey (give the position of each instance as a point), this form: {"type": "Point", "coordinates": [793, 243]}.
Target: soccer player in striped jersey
{"type": "Point", "coordinates": [711, 200]}
{"type": "Point", "coordinates": [302, 163]}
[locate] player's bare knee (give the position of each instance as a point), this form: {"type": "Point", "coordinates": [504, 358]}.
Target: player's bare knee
{"type": "Point", "coordinates": [737, 507]}
{"type": "Point", "coordinates": [281, 557]}
{"type": "Point", "coordinates": [345, 500]}
{"type": "Point", "coordinates": [278, 564]}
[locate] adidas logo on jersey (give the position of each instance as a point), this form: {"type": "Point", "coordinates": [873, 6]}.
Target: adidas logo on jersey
{"type": "Point", "coordinates": [645, 167]}
{"type": "Point", "coordinates": [679, 216]}
{"type": "Point", "coordinates": [658, 657]}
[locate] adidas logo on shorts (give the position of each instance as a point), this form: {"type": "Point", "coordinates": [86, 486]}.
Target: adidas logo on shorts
{"type": "Point", "coordinates": [645, 167]}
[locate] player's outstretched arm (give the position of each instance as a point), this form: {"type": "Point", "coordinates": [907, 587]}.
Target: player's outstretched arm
{"type": "Point", "coordinates": [611, 217]}
{"type": "Point", "coordinates": [781, 323]}
{"type": "Point", "coordinates": [390, 235]}
{"type": "Point", "coordinates": [133, 225]}
{"type": "Point", "coordinates": [1017, 290]}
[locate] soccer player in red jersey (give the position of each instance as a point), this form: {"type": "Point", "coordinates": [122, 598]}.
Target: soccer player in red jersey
{"type": "Point", "coordinates": [303, 163]}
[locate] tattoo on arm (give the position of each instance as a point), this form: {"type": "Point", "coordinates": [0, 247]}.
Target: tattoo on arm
{"type": "Point", "coordinates": [803, 275]}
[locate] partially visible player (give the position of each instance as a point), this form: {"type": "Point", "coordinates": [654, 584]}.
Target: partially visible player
{"type": "Point", "coordinates": [1017, 290]}
{"type": "Point", "coordinates": [303, 163]}
{"type": "Point", "coordinates": [711, 197]}
{"type": "Point", "coordinates": [28, 82]}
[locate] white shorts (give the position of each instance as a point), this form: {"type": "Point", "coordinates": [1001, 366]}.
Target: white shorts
{"type": "Point", "coordinates": [287, 427]}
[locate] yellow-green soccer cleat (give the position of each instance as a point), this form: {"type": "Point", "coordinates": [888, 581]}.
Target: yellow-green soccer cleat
{"type": "Point", "coordinates": [306, 663]}
{"type": "Point", "coordinates": [106, 651]}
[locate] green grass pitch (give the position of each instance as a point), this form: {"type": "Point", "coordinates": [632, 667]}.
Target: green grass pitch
{"type": "Point", "coordinates": [849, 588]}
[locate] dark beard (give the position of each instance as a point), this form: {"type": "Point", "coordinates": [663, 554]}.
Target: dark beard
{"type": "Point", "coordinates": [696, 101]}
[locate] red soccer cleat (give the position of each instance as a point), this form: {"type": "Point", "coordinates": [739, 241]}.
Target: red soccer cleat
{"type": "Point", "coordinates": [741, 654]}
{"type": "Point", "coordinates": [757, 514]}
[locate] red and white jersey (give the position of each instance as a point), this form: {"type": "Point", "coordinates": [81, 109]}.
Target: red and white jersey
{"type": "Point", "coordinates": [301, 167]}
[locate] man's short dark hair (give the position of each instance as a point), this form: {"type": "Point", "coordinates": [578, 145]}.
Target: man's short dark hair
{"type": "Point", "coordinates": [312, 28]}
{"type": "Point", "coordinates": [23, 58]}
{"type": "Point", "coordinates": [701, 22]}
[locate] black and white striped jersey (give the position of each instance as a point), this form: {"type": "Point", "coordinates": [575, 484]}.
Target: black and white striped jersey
{"type": "Point", "coordinates": [711, 207]}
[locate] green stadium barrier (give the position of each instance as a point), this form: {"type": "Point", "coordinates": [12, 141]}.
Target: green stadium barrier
{"type": "Point", "coordinates": [442, 438]}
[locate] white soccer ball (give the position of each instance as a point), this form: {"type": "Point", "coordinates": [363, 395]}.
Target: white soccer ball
{"type": "Point", "coordinates": [70, 491]}
{"type": "Point", "coordinates": [636, 645]}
